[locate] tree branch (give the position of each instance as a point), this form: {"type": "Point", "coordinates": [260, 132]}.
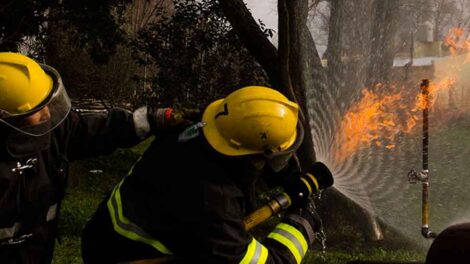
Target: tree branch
{"type": "Point", "coordinates": [254, 39]}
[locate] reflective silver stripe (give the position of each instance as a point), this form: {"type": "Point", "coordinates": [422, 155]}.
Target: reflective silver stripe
{"type": "Point", "coordinates": [257, 253]}
{"type": "Point", "coordinates": [9, 231]}
{"type": "Point", "coordinates": [305, 224]}
{"type": "Point", "coordinates": [51, 213]}
{"type": "Point", "coordinates": [292, 238]}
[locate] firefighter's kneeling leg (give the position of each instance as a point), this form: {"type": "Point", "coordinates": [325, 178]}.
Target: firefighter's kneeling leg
{"type": "Point", "coordinates": [101, 244]}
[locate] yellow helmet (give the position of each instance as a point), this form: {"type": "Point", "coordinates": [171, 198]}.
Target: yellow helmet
{"type": "Point", "coordinates": [251, 120]}
{"type": "Point", "coordinates": [23, 84]}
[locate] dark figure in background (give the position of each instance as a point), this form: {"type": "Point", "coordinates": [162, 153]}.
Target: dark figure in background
{"type": "Point", "coordinates": [451, 246]}
{"type": "Point", "coordinates": [40, 135]}
{"type": "Point", "coordinates": [186, 198]}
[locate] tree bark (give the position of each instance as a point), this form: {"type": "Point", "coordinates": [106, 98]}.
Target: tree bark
{"type": "Point", "coordinates": [305, 68]}
{"type": "Point", "coordinates": [253, 37]}
{"type": "Point", "coordinates": [334, 49]}
{"type": "Point", "coordinates": [382, 50]}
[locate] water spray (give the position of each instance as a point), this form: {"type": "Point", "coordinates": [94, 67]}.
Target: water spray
{"type": "Point", "coordinates": [423, 175]}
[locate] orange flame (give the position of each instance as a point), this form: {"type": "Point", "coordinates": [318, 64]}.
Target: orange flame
{"type": "Point", "coordinates": [378, 118]}
{"type": "Point", "coordinates": [434, 89]}
{"type": "Point", "coordinates": [373, 120]}
{"type": "Point", "coordinates": [457, 42]}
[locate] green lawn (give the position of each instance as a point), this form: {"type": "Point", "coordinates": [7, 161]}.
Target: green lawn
{"type": "Point", "coordinates": [88, 189]}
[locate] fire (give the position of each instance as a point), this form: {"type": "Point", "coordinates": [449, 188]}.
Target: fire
{"type": "Point", "coordinates": [376, 119]}
{"type": "Point", "coordinates": [385, 113]}
{"type": "Point", "coordinates": [379, 118]}
{"type": "Point", "coordinates": [434, 89]}
{"type": "Point", "coordinates": [458, 42]}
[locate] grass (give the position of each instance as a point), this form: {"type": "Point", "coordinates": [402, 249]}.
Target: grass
{"type": "Point", "coordinates": [87, 190]}
{"type": "Point", "coordinates": [377, 254]}
{"type": "Point", "coordinates": [85, 193]}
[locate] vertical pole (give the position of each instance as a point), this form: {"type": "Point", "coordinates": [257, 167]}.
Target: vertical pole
{"type": "Point", "coordinates": [425, 172]}
{"type": "Point", "coordinates": [425, 94]}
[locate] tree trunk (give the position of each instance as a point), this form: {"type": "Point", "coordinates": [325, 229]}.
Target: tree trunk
{"type": "Point", "coordinates": [333, 51]}
{"type": "Point", "coordinates": [382, 50]}
{"type": "Point", "coordinates": [305, 69]}
{"type": "Point", "coordinates": [345, 53]}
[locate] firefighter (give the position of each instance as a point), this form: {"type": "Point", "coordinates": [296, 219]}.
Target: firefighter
{"type": "Point", "coordinates": [186, 198]}
{"type": "Point", "coordinates": [40, 135]}
{"type": "Point", "coordinates": [451, 246]}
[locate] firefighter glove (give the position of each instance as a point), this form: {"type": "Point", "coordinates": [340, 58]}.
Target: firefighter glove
{"type": "Point", "coordinates": [305, 217]}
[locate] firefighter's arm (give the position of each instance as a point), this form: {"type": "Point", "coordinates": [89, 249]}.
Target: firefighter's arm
{"type": "Point", "coordinates": [293, 236]}
{"type": "Point", "coordinates": [287, 243]}
{"type": "Point", "coordinates": [297, 230]}
{"type": "Point", "coordinates": [89, 135]}
{"type": "Point", "coordinates": [225, 239]}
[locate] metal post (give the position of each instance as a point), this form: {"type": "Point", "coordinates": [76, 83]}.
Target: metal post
{"type": "Point", "coordinates": [425, 231]}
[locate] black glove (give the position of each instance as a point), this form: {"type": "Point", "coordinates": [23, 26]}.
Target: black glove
{"type": "Point", "coordinates": [305, 218]}
{"type": "Point", "coordinates": [164, 119]}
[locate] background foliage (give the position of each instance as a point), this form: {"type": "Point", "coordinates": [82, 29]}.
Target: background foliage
{"type": "Point", "coordinates": [184, 53]}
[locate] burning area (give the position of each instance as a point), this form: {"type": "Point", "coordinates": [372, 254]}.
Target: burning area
{"type": "Point", "coordinates": [386, 111]}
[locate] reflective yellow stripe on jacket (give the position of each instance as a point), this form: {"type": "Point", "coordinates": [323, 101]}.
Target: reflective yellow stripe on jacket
{"type": "Point", "coordinates": [125, 227]}
{"type": "Point", "coordinates": [292, 238]}
{"type": "Point", "coordinates": [255, 254]}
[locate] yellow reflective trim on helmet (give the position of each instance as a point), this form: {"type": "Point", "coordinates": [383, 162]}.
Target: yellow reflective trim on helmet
{"type": "Point", "coordinates": [256, 253]}
{"type": "Point", "coordinates": [292, 238]}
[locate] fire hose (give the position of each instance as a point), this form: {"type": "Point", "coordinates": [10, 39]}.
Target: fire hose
{"type": "Point", "coordinates": [318, 177]}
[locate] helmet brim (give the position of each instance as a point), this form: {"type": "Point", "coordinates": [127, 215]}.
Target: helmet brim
{"type": "Point", "coordinates": [279, 160]}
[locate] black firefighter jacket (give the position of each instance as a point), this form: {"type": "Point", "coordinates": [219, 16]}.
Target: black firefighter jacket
{"type": "Point", "coordinates": [193, 202]}
{"type": "Point", "coordinates": [30, 197]}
